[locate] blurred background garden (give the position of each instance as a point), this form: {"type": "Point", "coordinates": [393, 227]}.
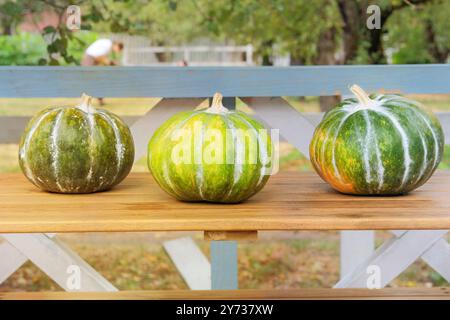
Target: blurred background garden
{"type": "Point", "coordinates": [225, 33]}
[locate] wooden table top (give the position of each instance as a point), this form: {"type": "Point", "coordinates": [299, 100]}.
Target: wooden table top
{"type": "Point", "coordinates": [290, 201]}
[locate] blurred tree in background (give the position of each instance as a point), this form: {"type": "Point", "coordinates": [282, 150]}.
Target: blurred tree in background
{"type": "Point", "coordinates": [311, 32]}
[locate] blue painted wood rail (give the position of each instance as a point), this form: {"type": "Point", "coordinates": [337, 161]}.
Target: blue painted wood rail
{"type": "Point", "coordinates": [187, 82]}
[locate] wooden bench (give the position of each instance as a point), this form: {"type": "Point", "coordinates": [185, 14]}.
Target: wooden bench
{"type": "Point", "coordinates": [290, 201]}
{"type": "Point", "coordinates": [419, 221]}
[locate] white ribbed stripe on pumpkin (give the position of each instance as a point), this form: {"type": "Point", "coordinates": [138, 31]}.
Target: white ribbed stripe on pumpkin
{"type": "Point", "coordinates": [333, 147]}
{"type": "Point", "coordinates": [55, 149]}
{"type": "Point", "coordinates": [365, 148]}
{"type": "Point", "coordinates": [237, 167]}
{"type": "Point", "coordinates": [118, 145]}
{"type": "Point", "coordinates": [250, 126]}
{"type": "Point", "coordinates": [91, 125]}
{"type": "Point", "coordinates": [405, 142]}
{"type": "Point", "coordinates": [425, 155]}
{"type": "Point", "coordinates": [199, 176]}
{"type": "Point", "coordinates": [436, 141]}
{"type": "Point", "coordinates": [373, 141]}
{"type": "Point", "coordinates": [239, 156]}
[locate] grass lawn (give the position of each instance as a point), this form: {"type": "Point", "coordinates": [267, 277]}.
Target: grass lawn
{"type": "Point", "coordinates": [138, 261]}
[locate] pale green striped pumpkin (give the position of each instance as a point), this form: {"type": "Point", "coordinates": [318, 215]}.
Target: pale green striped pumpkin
{"type": "Point", "coordinates": [215, 162]}
{"type": "Point", "coordinates": [76, 149]}
{"type": "Point", "coordinates": [378, 145]}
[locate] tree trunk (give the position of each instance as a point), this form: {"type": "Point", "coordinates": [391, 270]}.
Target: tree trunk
{"type": "Point", "coordinates": [439, 55]}
{"type": "Point", "coordinates": [7, 28]}
{"type": "Point", "coordinates": [266, 56]}
{"type": "Point", "coordinates": [351, 15]}
{"type": "Point", "coordinates": [326, 49]}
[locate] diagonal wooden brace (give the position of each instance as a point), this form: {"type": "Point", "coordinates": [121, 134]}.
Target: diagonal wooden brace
{"type": "Point", "coordinates": [392, 258]}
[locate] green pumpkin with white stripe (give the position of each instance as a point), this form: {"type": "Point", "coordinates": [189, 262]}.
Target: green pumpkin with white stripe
{"type": "Point", "coordinates": [212, 155]}
{"type": "Point", "coordinates": [377, 145]}
{"type": "Point", "coordinates": [76, 149]}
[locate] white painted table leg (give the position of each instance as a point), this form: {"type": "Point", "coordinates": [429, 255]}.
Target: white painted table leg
{"type": "Point", "coordinates": [392, 258]}
{"type": "Point", "coordinates": [59, 262]}
{"type": "Point", "coordinates": [224, 270]}
{"type": "Point", "coordinates": [11, 260]}
{"type": "Point", "coordinates": [190, 261]}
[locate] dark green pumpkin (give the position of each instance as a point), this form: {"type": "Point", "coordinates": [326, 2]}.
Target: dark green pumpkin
{"type": "Point", "coordinates": [76, 149]}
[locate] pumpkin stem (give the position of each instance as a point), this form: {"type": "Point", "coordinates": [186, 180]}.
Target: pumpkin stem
{"type": "Point", "coordinates": [86, 103]}
{"type": "Point", "coordinates": [216, 105]}
{"type": "Point", "coordinates": [361, 95]}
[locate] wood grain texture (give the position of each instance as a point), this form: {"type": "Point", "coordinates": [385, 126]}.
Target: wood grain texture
{"type": "Point", "coordinates": [292, 294]}
{"type": "Point", "coordinates": [290, 201]}
{"type": "Point", "coordinates": [192, 82]}
{"type": "Point", "coordinates": [230, 235]}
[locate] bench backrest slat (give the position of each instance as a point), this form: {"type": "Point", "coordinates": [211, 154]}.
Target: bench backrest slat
{"type": "Point", "coordinates": [187, 82]}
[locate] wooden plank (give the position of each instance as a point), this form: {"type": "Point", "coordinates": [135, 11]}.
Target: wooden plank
{"type": "Point", "coordinates": [391, 259]}
{"type": "Point", "coordinates": [290, 201]}
{"type": "Point", "coordinates": [143, 129]}
{"type": "Point", "coordinates": [59, 262]}
{"type": "Point", "coordinates": [190, 82]}
{"type": "Point", "coordinates": [190, 261]}
{"type": "Point", "coordinates": [356, 247]}
{"type": "Point", "coordinates": [224, 268]}
{"type": "Point", "coordinates": [230, 235]}
{"type": "Point", "coordinates": [248, 294]}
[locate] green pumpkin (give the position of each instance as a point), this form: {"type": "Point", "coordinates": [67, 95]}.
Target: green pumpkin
{"type": "Point", "coordinates": [213, 155]}
{"type": "Point", "coordinates": [76, 149]}
{"type": "Point", "coordinates": [378, 145]}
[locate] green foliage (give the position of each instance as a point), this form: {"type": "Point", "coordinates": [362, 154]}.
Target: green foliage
{"type": "Point", "coordinates": [21, 49]}
{"type": "Point", "coordinates": [416, 31]}
{"type": "Point", "coordinates": [63, 45]}
{"type": "Point", "coordinates": [284, 25]}
{"type": "Point", "coordinates": [28, 49]}
{"type": "Point", "coordinates": [79, 44]}
{"type": "Point", "coordinates": [412, 33]}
